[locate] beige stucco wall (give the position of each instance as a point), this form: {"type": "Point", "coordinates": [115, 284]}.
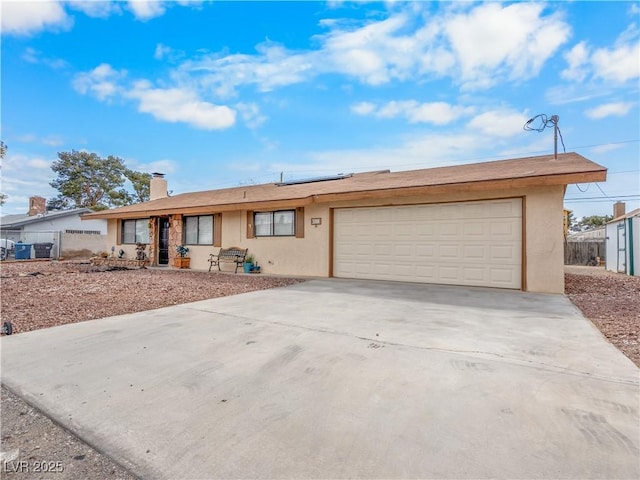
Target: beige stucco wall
{"type": "Point", "coordinates": [112, 241]}
{"type": "Point", "coordinates": [545, 240]}
{"type": "Point", "coordinates": [73, 242]}
{"type": "Point", "coordinates": [310, 256]}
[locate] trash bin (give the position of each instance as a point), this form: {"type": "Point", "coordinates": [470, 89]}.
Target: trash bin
{"type": "Point", "coordinates": [43, 250]}
{"type": "Point", "coordinates": [23, 251]}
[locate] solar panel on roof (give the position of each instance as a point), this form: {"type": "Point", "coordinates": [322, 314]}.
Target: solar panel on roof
{"type": "Point", "coordinates": [315, 179]}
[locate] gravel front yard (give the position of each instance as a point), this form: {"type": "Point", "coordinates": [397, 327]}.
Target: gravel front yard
{"type": "Point", "coordinates": [611, 301]}
{"type": "Point", "coordinates": [43, 294]}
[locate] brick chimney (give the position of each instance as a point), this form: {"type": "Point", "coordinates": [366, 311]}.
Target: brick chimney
{"type": "Point", "coordinates": [618, 209]}
{"type": "Point", "coordinates": [158, 186]}
{"type": "Point", "coordinates": [37, 205]}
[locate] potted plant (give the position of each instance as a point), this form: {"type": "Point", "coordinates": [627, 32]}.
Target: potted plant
{"type": "Point", "coordinates": [248, 263]}
{"type": "Point", "coordinates": [181, 261]}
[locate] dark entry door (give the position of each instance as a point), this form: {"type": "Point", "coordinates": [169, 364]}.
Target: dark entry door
{"type": "Point", "coordinates": [163, 242]}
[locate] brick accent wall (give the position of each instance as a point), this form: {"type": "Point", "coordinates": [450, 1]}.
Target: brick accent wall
{"type": "Point", "coordinates": [153, 241]}
{"type": "Point", "coordinates": [175, 235]}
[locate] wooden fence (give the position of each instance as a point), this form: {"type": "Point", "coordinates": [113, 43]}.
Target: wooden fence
{"type": "Point", "coordinates": [580, 253]}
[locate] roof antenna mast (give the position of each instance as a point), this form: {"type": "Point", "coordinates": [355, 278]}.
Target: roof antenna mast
{"type": "Point", "coordinates": [547, 122]}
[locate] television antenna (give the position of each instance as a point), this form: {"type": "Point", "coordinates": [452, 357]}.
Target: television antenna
{"type": "Point", "coordinates": [542, 121]}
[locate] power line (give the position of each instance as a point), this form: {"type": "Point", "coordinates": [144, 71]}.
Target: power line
{"type": "Point", "coordinates": [601, 190]}
{"type": "Point", "coordinates": [600, 198]}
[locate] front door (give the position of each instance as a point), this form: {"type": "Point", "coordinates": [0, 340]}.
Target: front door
{"type": "Point", "coordinates": [163, 242]}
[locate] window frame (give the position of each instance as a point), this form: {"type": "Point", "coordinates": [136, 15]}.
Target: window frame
{"type": "Point", "coordinates": [272, 214]}
{"type": "Point", "coordinates": [123, 239]}
{"type": "Point", "coordinates": [184, 230]}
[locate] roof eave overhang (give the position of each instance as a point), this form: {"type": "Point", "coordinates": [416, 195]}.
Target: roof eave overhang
{"type": "Point", "coordinates": [500, 184]}
{"type": "Point", "coordinates": [218, 208]}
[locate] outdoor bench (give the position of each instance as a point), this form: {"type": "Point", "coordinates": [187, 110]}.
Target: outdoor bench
{"type": "Point", "coordinates": [228, 255]}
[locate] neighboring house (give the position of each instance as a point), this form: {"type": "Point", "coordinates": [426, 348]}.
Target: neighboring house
{"type": "Point", "coordinates": [594, 235]}
{"type": "Point", "coordinates": [64, 229]}
{"type": "Point", "coordinates": [623, 242]}
{"type": "Point", "coordinates": [494, 224]}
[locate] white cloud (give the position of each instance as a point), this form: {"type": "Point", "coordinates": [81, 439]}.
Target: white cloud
{"type": "Point", "coordinates": [161, 51]}
{"type": "Point", "coordinates": [39, 163]}
{"type": "Point", "coordinates": [619, 64]}
{"type": "Point", "coordinates": [600, 149]}
{"type": "Point", "coordinates": [146, 9]}
{"type": "Point", "coordinates": [614, 65]}
{"type": "Point", "coordinates": [102, 82]}
{"type": "Point", "coordinates": [499, 123]}
{"type": "Point", "coordinates": [272, 67]}
{"type": "Point", "coordinates": [478, 47]}
{"type": "Point", "coordinates": [619, 109]}
{"type": "Point", "coordinates": [363, 108]}
{"type": "Point", "coordinates": [180, 105]}
{"type": "Point", "coordinates": [32, 55]}
{"type": "Point", "coordinates": [577, 59]}
{"type": "Point", "coordinates": [251, 114]}
{"type": "Point", "coordinates": [437, 113]}
{"type": "Point", "coordinates": [26, 18]}
{"type": "Point", "coordinates": [374, 53]}
{"type": "Point", "coordinates": [95, 9]}
{"type": "Point", "coordinates": [50, 140]}
{"type": "Point", "coordinates": [18, 180]}
{"type": "Point", "coordinates": [494, 41]}
{"type": "Point", "coordinates": [575, 92]}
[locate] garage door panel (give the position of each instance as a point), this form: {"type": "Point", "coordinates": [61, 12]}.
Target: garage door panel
{"type": "Point", "coordinates": [448, 273]}
{"type": "Point", "coordinates": [474, 252]}
{"type": "Point", "coordinates": [402, 230]}
{"type": "Point", "coordinates": [504, 276]}
{"type": "Point", "coordinates": [508, 253]}
{"type": "Point", "coordinates": [448, 251]}
{"type": "Point", "coordinates": [474, 274]}
{"type": "Point", "coordinates": [425, 252]}
{"type": "Point", "coordinates": [504, 228]}
{"type": "Point", "coordinates": [426, 273]}
{"type": "Point", "coordinates": [472, 243]}
{"type": "Point", "coordinates": [503, 208]}
{"type": "Point", "coordinates": [426, 229]}
{"type": "Point", "coordinates": [476, 229]}
{"type": "Point", "coordinates": [448, 229]}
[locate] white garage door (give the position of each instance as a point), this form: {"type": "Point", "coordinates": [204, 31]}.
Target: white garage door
{"type": "Point", "coordinates": [470, 243]}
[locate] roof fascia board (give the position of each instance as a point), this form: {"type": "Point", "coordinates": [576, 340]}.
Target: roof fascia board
{"type": "Point", "coordinates": [232, 207]}
{"type": "Point", "coordinates": [542, 180]}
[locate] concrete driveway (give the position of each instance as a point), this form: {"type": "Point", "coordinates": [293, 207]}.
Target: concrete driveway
{"type": "Point", "coordinates": [342, 379]}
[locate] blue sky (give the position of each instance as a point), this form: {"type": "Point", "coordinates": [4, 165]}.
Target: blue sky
{"type": "Point", "coordinates": [219, 94]}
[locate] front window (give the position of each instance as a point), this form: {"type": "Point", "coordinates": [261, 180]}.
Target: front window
{"type": "Point", "coordinates": [275, 224]}
{"type": "Point", "coordinates": [134, 231]}
{"type": "Point", "coordinates": [198, 230]}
